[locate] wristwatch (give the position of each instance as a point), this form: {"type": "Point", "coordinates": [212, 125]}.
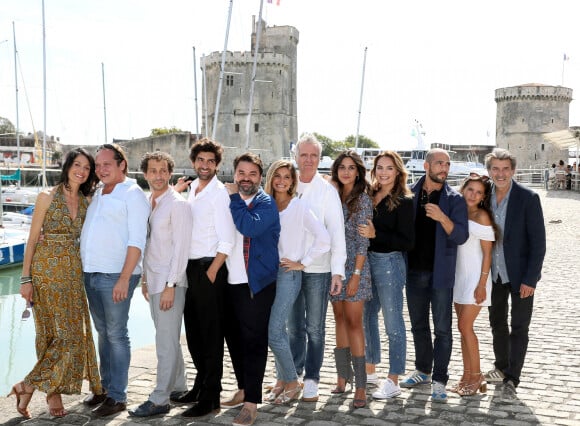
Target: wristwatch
{"type": "Point", "coordinates": [170, 285]}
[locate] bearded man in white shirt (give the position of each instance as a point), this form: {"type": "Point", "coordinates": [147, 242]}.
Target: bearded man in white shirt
{"type": "Point", "coordinates": [213, 237]}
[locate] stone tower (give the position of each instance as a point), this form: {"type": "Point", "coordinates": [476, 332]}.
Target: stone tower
{"type": "Point", "coordinates": [524, 114]}
{"type": "Point", "coordinates": [274, 122]}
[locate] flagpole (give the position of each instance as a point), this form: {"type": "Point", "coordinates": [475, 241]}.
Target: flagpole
{"type": "Point", "coordinates": [195, 93]}
{"type": "Point", "coordinates": [44, 97]}
{"type": "Point", "coordinates": [104, 99]}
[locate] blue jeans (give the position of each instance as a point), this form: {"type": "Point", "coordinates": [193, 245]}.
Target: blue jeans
{"type": "Point", "coordinates": [110, 320]}
{"type": "Point", "coordinates": [287, 289]}
{"type": "Point", "coordinates": [430, 356]}
{"type": "Point", "coordinates": [388, 271]}
{"type": "Point", "coordinates": [308, 318]}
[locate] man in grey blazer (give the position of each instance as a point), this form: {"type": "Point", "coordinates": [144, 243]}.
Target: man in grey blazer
{"type": "Point", "coordinates": [516, 269]}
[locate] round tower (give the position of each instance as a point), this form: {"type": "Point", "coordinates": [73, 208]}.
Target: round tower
{"type": "Point", "coordinates": [274, 123]}
{"type": "Point", "coordinates": [524, 114]}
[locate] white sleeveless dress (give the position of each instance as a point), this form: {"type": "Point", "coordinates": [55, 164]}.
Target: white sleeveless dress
{"type": "Point", "coordinates": [468, 266]}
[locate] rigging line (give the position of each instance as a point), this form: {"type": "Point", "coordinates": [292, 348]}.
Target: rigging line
{"type": "Point", "coordinates": [36, 142]}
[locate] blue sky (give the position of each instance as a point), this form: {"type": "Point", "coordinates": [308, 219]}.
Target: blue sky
{"type": "Point", "coordinates": [437, 62]}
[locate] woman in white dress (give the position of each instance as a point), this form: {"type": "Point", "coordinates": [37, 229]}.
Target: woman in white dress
{"type": "Point", "coordinates": [472, 288]}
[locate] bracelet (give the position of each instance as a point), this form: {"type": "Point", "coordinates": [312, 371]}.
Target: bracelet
{"type": "Point", "coordinates": [356, 272]}
{"type": "Point", "coordinates": [25, 280]}
{"type": "Point", "coordinates": [484, 273]}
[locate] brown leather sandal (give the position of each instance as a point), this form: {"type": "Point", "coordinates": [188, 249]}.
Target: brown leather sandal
{"type": "Point", "coordinates": [55, 411]}
{"type": "Point", "coordinates": [23, 411]}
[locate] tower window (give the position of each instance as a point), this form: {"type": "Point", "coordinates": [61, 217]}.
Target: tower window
{"type": "Point", "coordinates": [542, 147]}
{"type": "Point", "coordinates": [229, 80]}
{"type": "Point", "coordinates": [256, 127]}
{"type": "Point", "coordinates": [237, 127]}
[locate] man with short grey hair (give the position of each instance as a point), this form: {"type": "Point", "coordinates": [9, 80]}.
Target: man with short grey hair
{"type": "Point", "coordinates": [516, 269]}
{"type": "Point", "coordinates": [324, 276]}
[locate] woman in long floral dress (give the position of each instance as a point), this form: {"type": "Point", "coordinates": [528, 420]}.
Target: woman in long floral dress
{"type": "Point", "coordinates": [52, 283]}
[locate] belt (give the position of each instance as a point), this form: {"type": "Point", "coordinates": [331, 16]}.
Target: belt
{"type": "Point", "coordinates": [202, 261]}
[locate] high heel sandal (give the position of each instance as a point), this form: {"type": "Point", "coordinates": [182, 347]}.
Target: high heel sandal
{"type": "Point", "coordinates": [360, 402]}
{"type": "Point", "coordinates": [274, 393]}
{"type": "Point", "coordinates": [342, 389]}
{"type": "Point", "coordinates": [461, 383]}
{"type": "Point", "coordinates": [22, 411]}
{"type": "Point", "coordinates": [55, 411]}
{"type": "Point", "coordinates": [472, 388]}
{"type": "Point", "coordinates": [287, 396]}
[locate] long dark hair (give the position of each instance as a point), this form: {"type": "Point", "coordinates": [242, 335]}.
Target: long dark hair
{"type": "Point", "coordinates": [360, 185]}
{"type": "Point", "coordinates": [484, 204]}
{"type": "Point", "coordinates": [88, 187]}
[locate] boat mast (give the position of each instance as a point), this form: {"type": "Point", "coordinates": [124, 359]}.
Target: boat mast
{"type": "Point", "coordinates": [195, 93]}
{"type": "Point", "coordinates": [204, 87]}
{"type": "Point", "coordinates": [362, 85]}
{"type": "Point", "coordinates": [253, 80]}
{"type": "Point", "coordinates": [44, 98]}
{"type": "Point", "coordinates": [219, 93]}
{"type": "Point", "coordinates": [17, 130]}
{"type": "Point", "coordinates": [104, 100]}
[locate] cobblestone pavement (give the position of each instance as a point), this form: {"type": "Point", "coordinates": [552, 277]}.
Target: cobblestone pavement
{"type": "Point", "coordinates": [548, 394]}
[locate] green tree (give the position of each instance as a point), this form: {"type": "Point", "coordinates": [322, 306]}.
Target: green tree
{"type": "Point", "coordinates": [330, 148]}
{"type": "Point", "coordinates": [165, 131]}
{"type": "Point", "coordinates": [6, 126]}
{"type": "Point", "coordinates": [363, 142]}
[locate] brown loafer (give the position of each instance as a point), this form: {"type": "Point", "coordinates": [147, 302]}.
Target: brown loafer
{"type": "Point", "coordinates": [93, 399]}
{"type": "Point", "coordinates": [109, 407]}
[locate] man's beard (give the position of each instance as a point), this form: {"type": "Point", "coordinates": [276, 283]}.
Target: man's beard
{"type": "Point", "coordinates": [250, 190]}
{"type": "Point", "coordinates": [436, 178]}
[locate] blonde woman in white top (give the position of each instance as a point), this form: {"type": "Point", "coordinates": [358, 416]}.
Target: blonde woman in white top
{"type": "Point", "coordinates": [297, 222]}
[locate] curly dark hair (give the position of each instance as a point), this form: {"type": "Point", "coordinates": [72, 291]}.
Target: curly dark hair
{"type": "Point", "coordinates": [361, 184]}
{"type": "Point", "coordinates": [206, 145]}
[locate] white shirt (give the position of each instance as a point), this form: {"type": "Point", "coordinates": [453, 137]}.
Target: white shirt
{"type": "Point", "coordinates": [297, 221]}
{"type": "Point", "coordinates": [235, 262]}
{"type": "Point", "coordinates": [213, 228]}
{"type": "Point", "coordinates": [324, 201]}
{"type": "Point", "coordinates": [167, 249]}
{"type": "Point", "coordinates": [114, 222]}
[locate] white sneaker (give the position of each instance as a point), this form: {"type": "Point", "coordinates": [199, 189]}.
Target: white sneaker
{"type": "Point", "coordinates": [310, 392]}
{"type": "Point", "coordinates": [438, 392]}
{"type": "Point", "coordinates": [387, 390]}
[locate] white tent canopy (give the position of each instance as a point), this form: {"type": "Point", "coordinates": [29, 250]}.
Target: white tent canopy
{"type": "Point", "coordinates": [566, 139]}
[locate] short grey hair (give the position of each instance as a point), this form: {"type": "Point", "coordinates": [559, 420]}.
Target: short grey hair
{"type": "Point", "coordinates": [308, 138]}
{"type": "Point", "coordinates": [500, 154]}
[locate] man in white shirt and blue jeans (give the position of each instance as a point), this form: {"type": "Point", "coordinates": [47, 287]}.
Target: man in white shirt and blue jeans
{"type": "Point", "coordinates": [112, 243]}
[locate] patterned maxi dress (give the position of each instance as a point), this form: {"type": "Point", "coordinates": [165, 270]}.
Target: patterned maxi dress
{"type": "Point", "coordinates": [64, 340]}
{"type": "Point", "coordinates": [355, 244]}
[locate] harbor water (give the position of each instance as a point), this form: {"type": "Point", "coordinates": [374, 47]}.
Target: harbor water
{"type": "Point", "coordinates": [17, 352]}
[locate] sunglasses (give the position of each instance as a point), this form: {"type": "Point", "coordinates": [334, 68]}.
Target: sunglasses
{"type": "Point", "coordinates": [26, 312]}
{"type": "Point", "coordinates": [484, 178]}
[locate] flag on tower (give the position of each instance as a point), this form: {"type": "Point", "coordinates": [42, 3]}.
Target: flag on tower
{"type": "Point", "coordinates": [566, 57]}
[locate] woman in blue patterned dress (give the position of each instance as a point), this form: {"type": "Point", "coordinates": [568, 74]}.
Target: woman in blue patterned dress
{"type": "Point", "coordinates": [348, 174]}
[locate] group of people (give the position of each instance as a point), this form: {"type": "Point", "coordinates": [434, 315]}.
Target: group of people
{"type": "Point", "coordinates": [256, 268]}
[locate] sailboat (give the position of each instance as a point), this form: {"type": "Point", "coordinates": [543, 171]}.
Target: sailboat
{"type": "Point", "coordinates": [457, 169]}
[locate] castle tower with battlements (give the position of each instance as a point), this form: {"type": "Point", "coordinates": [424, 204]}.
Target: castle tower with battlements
{"type": "Point", "coordinates": [274, 124]}
{"type": "Point", "coordinates": [524, 114]}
